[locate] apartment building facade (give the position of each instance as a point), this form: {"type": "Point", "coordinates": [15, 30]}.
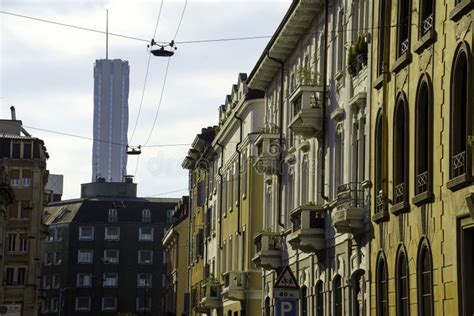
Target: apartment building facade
{"type": "Point", "coordinates": [421, 106]}
{"type": "Point", "coordinates": [23, 158]}
{"type": "Point", "coordinates": [315, 76]}
{"type": "Point", "coordinates": [175, 242]}
{"type": "Point", "coordinates": [103, 254]}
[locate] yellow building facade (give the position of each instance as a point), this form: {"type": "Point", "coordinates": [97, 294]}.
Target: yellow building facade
{"type": "Point", "coordinates": [175, 242]}
{"type": "Point", "coordinates": [421, 160]}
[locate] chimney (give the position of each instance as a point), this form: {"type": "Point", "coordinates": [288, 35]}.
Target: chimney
{"type": "Point", "coordinates": [12, 110]}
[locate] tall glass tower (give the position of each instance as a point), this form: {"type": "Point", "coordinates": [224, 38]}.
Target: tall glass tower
{"type": "Point", "coordinates": [109, 153]}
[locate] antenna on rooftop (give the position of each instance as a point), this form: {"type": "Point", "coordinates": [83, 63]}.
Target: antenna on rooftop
{"type": "Point", "coordinates": [107, 35]}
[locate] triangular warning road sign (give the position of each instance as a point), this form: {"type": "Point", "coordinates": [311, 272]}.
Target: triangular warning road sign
{"type": "Point", "coordinates": [286, 280]}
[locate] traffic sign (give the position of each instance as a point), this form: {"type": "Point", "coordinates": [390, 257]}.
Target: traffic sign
{"type": "Point", "coordinates": [286, 280]}
{"type": "Point", "coordinates": [286, 294]}
{"type": "Point", "coordinates": [288, 307]}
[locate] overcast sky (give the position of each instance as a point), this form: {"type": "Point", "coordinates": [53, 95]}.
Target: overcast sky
{"type": "Point", "coordinates": [47, 74]}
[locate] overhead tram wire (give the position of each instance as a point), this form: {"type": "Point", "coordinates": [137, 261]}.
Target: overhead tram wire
{"type": "Point", "coordinates": [146, 76]}
{"type": "Point", "coordinates": [198, 41]}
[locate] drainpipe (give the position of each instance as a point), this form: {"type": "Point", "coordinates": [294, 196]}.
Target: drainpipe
{"type": "Point", "coordinates": [220, 194]}
{"type": "Point", "coordinates": [325, 94]}
{"type": "Point", "coordinates": [239, 162]}
{"type": "Point", "coordinates": [280, 171]}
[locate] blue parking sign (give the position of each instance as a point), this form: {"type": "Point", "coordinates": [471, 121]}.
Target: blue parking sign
{"type": "Point", "coordinates": [286, 307]}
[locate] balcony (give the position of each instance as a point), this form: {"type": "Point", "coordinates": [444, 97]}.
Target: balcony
{"type": "Point", "coordinates": [234, 285]}
{"type": "Point", "coordinates": [306, 105]}
{"type": "Point", "coordinates": [267, 250]}
{"type": "Point", "coordinates": [381, 213]}
{"type": "Point", "coordinates": [268, 151]}
{"type": "Point", "coordinates": [210, 295]}
{"type": "Point", "coordinates": [307, 233]}
{"type": "Point", "coordinates": [400, 200]}
{"type": "Point", "coordinates": [349, 214]}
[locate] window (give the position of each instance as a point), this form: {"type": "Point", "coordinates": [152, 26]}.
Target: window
{"type": "Point", "coordinates": [381, 288]}
{"type": "Point", "coordinates": [404, 27]}
{"type": "Point", "coordinates": [291, 189]}
{"type": "Point", "coordinates": [56, 281]}
{"type": "Point", "coordinates": [14, 177]}
{"type": "Point", "coordinates": [57, 234]}
{"type": "Point", "coordinates": [84, 256]}
{"type": "Point", "coordinates": [83, 304]}
{"type": "Point", "coordinates": [424, 138]}
{"type": "Point", "coordinates": [337, 288]}
{"type": "Point", "coordinates": [244, 173]}
{"type": "Point", "coordinates": [144, 279]}
{"type": "Point", "coordinates": [16, 149]}
{"type": "Point", "coordinates": [425, 281]}
{"type": "Point", "coordinates": [86, 233]}
{"type": "Point", "coordinates": [201, 193]}
{"type": "Point", "coordinates": [44, 307]}
{"type": "Point", "coordinates": [459, 114]}
{"type": "Point", "coordinates": [84, 280]}
{"type": "Point", "coordinates": [27, 150]}
{"type": "Point", "coordinates": [426, 17]}
{"type": "Point", "coordinates": [319, 299]}
{"type": "Point", "coordinates": [48, 258]}
{"type": "Point", "coordinates": [109, 303]}
{"type": "Point", "coordinates": [145, 256]}
{"type": "Point", "coordinates": [23, 244]}
{"type": "Point", "coordinates": [267, 307]}
{"type": "Point", "coordinates": [54, 304]}
{"type": "Point", "coordinates": [146, 216]}
{"type": "Point", "coordinates": [400, 153]}
{"type": "Point", "coordinates": [9, 276]}
{"type": "Point", "coordinates": [305, 180]}
{"type": "Point", "coordinates": [112, 218]}
{"type": "Point", "coordinates": [340, 41]}
{"type": "Point", "coordinates": [379, 200]}
{"type": "Point", "coordinates": [57, 258]}
{"type": "Point", "coordinates": [110, 280]}
{"type": "Point", "coordinates": [46, 281]}
{"type": "Point", "coordinates": [304, 301]}
{"type": "Point", "coordinates": [145, 234]}
{"type": "Point", "coordinates": [143, 303]}
{"type": "Point", "coordinates": [112, 233]}
{"type": "Point", "coordinates": [26, 180]}
{"type": "Point", "coordinates": [383, 33]}
{"type": "Point", "coordinates": [111, 256]}
{"type": "Point", "coordinates": [11, 242]}
{"type": "Point", "coordinates": [357, 293]}
{"type": "Point", "coordinates": [401, 283]}
{"type": "Point", "coordinates": [21, 276]}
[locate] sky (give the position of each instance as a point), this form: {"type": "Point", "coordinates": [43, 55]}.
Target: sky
{"type": "Point", "coordinates": [46, 72]}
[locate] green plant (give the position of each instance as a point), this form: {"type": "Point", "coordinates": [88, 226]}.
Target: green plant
{"type": "Point", "coordinates": [357, 56]}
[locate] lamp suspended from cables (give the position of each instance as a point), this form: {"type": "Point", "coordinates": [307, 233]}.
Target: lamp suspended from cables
{"type": "Point", "coordinates": [134, 150]}
{"type": "Point", "coordinates": [162, 50]}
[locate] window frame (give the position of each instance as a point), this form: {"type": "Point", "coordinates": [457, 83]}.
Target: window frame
{"type": "Point", "coordinates": [381, 287]}
{"type": "Point", "coordinates": [402, 281]}
{"type": "Point", "coordinates": [423, 250]}
{"type": "Point", "coordinates": [88, 251]}
{"type": "Point", "coordinates": [80, 276]}
{"type": "Point", "coordinates": [108, 236]}
{"type": "Point", "coordinates": [140, 234]}
{"type": "Point", "coordinates": [106, 259]}
{"type": "Point", "coordinates": [113, 309]}
{"type": "Point", "coordinates": [87, 309]}
{"type": "Point", "coordinates": [151, 256]}
{"type": "Point", "coordinates": [86, 238]}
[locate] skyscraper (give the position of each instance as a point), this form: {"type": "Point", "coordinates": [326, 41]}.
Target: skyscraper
{"type": "Point", "coordinates": [111, 84]}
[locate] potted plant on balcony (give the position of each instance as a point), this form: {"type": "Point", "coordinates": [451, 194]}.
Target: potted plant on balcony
{"type": "Point", "coordinates": [357, 57]}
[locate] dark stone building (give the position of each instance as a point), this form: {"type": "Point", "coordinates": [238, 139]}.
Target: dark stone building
{"type": "Point", "coordinates": [104, 253]}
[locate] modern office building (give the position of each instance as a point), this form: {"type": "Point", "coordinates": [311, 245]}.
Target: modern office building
{"type": "Point", "coordinates": [109, 154]}
{"type": "Point", "coordinates": [104, 252]}
{"type": "Point", "coordinates": [23, 158]}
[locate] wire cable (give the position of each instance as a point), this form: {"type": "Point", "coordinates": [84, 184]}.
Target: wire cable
{"type": "Point", "coordinates": [73, 26]}
{"type": "Point", "coordinates": [146, 76]}
{"type": "Point", "coordinates": [180, 19]}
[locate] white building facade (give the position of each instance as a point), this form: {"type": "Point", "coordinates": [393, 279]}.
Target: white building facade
{"type": "Point", "coordinates": [313, 153]}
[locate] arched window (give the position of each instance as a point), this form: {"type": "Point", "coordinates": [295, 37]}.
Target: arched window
{"type": "Point", "coordinates": [357, 293]}
{"type": "Point", "coordinates": [337, 290]}
{"type": "Point", "coordinates": [401, 282]}
{"type": "Point", "coordinates": [425, 281]}
{"type": "Point", "coordinates": [403, 36]}
{"type": "Point", "coordinates": [459, 113]}
{"type": "Point", "coordinates": [400, 154]}
{"type": "Point", "coordinates": [229, 313]}
{"type": "Point", "coordinates": [426, 16]}
{"type": "Point", "coordinates": [305, 180]}
{"type": "Point", "coordinates": [424, 138]}
{"type": "Point", "coordinates": [381, 288]}
{"type": "Point", "coordinates": [379, 163]}
{"type": "Point", "coordinates": [319, 305]}
{"type": "Point", "coordinates": [267, 307]}
{"type": "Point", "coordinates": [304, 301]}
